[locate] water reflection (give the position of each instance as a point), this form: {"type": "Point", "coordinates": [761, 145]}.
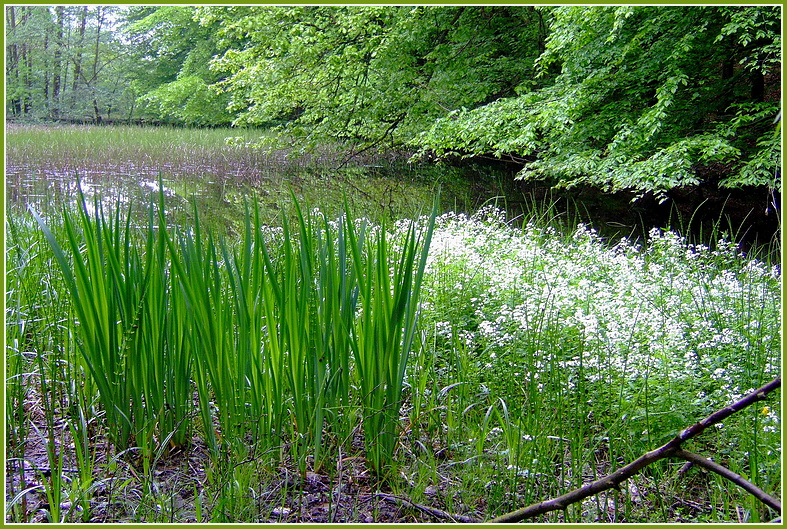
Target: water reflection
{"type": "Point", "coordinates": [47, 187]}
{"type": "Point", "coordinates": [221, 187]}
{"type": "Point", "coordinates": [219, 191]}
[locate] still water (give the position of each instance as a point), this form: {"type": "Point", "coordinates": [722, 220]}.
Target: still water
{"type": "Point", "coordinates": [125, 165]}
{"type": "Point", "coordinates": [385, 187]}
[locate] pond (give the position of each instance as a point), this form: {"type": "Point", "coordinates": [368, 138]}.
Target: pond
{"type": "Point", "coordinates": [221, 170]}
{"type": "Point", "coordinates": [45, 167]}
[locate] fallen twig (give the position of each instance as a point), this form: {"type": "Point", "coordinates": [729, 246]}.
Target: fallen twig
{"type": "Point", "coordinates": [724, 472]}
{"type": "Point", "coordinates": [432, 511]}
{"type": "Point", "coordinates": [671, 449]}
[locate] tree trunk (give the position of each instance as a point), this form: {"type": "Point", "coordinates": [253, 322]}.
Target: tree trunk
{"type": "Point", "coordinates": [12, 66]}
{"type": "Point", "coordinates": [26, 58]}
{"type": "Point", "coordinates": [79, 45]}
{"type": "Point", "coordinates": [94, 77]}
{"type": "Point", "coordinates": [56, 63]}
{"type": "Point", "coordinates": [46, 69]}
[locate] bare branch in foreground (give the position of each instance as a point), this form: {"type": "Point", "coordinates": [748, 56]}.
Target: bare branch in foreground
{"type": "Point", "coordinates": [724, 472]}
{"type": "Point", "coordinates": [671, 449]}
{"type": "Point", "coordinates": [437, 513]}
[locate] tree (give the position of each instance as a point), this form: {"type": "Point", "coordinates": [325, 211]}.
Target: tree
{"type": "Point", "coordinates": [83, 13]}
{"type": "Point", "coordinates": [26, 87]}
{"type": "Point", "coordinates": [65, 62]}
{"type": "Point", "coordinates": [13, 101]}
{"type": "Point", "coordinates": [57, 62]}
{"type": "Point", "coordinates": [642, 98]}
{"type": "Point", "coordinates": [172, 53]}
{"type": "Point", "coordinates": [371, 75]}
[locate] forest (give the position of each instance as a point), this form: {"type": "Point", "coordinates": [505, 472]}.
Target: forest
{"type": "Point", "coordinates": [456, 264]}
{"type": "Point", "coordinates": [642, 98]}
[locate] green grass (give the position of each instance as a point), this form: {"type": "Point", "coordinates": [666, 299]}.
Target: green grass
{"type": "Point", "coordinates": [80, 143]}
{"type": "Point", "coordinates": [467, 364]}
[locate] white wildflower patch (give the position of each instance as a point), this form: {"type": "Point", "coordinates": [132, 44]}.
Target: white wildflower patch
{"type": "Point", "coordinates": [526, 300]}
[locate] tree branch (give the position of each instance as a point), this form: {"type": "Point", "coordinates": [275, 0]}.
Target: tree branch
{"type": "Point", "coordinates": [671, 449]}
{"type": "Point", "coordinates": [437, 513]}
{"type": "Point", "coordinates": [724, 472]}
{"type": "Point", "coordinates": [374, 143]}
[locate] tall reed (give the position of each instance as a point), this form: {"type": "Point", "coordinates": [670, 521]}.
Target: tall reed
{"type": "Point", "coordinates": [274, 333]}
{"type": "Point", "coordinates": [317, 283]}
{"type": "Point", "coordinates": [199, 274]}
{"type": "Point", "coordinates": [105, 301]}
{"type": "Point", "coordinates": [119, 293]}
{"type": "Point", "coordinates": [293, 311]}
{"type": "Point", "coordinates": [383, 336]}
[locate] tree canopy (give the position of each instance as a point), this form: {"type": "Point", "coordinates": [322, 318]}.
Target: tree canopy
{"type": "Point", "coordinates": [636, 97]}
{"type": "Point", "coordinates": [646, 98]}
{"type": "Point", "coordinates": [65, 61]}
{"type": "Point", "coordinates": [374, 75]}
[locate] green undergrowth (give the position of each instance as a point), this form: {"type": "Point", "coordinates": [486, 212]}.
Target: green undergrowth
{"type": "Point", "coordinates": [166, 372]}
{"type": "Point", "coordinates": [574, 355]}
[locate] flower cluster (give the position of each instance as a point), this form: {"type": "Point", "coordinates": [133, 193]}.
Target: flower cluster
{"type": "Point", "coordinates": [526, 298]}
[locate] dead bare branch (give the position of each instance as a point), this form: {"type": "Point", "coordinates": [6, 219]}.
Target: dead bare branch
{"type": "Point", "coordinates": [437, 513]}
{"type": "Point", "coordinates": [671, 449]}
{"type": "Point", "coordinates": [739, 480]}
